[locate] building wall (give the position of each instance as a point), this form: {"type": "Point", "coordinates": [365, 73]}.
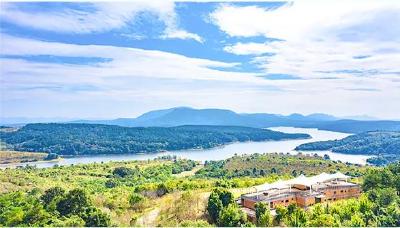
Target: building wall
{"type": "Point", "coordinates": [248, 203]}
{"type": "Point", "coordinates": [285, 201]}
{"type": "Point", "coordinates": [305, 201]}
{"type": "Point", "coordinates": [333, 194]}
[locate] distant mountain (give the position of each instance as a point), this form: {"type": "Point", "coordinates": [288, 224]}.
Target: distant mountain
{"type": "Point", "coordinates": [189, 116]}
{"type": "Point", "coordinates": [360, 117]}
{"type": "Point", "coordinates": [356, 126]}
{"type": "Point", "coordinates": [383, 144]}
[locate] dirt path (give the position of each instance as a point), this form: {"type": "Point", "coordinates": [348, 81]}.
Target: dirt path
{"type": "Point", "coordinates": [149, 219]}
{"type": "Point", "coordinates": [189, 173]}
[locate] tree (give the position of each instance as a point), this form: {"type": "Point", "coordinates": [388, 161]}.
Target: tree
{"type": "Point", "coordinates": [263, 215]}
{"type": "Point", "coordinates": [297, 218]}
{"type": "Point", "coordinates": [356, 221]}
{"type": "Point", "coordinates": [122, 171]}
{"type": "Point", "coordinates": [324, 220]}
{"type": "Point", "coordinates": [214, 206]}
{"type": "Point", "coordinates": [93, 217]}
{"type": "Point", "coordinates": [52, 194]}
{"type": "Point", "coordinates": [231, 216]}
{"type": "Point", "coordinates": [73, 203]}
{"type": "Point", "coordinates": [219, 198]}
{"type": "Point", "coordinates": [281, 213]}
{"type": "Point", "coordinates": [51, 156]}
{"type": "Point", "coordinates": [225, 196]}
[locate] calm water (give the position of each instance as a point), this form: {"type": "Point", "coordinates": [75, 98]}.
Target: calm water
{"type": "Point", "coordinates": [224, 152]}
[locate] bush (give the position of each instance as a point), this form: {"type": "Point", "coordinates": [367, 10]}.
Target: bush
{"type": "Point", "coordinates": [231, 216]}
{"type": "Point", "coordinates": [136, 200]}
{"type": "Point", "coordinates": [122, 172]}
{"type": "Point", "coordinates": [52, 194]}
{"type": "Point", "coordinates": [73, 203]}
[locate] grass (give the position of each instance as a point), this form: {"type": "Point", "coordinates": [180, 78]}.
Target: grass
{"type": "Point", "coordinates": [7, 157]}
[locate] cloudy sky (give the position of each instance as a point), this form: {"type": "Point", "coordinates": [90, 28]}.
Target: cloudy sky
{"type": "Point", "coordinates": [107, 60]}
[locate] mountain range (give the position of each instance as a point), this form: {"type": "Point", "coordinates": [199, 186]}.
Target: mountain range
{"type": "Point", "coordinates": [190, 116]}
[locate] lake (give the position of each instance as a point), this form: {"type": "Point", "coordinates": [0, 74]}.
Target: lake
{"type": "Point", "coordinates": [219, 153]}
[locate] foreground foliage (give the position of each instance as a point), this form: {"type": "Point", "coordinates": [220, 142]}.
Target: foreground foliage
{"type": "Point", "coordinates": [152, 193]}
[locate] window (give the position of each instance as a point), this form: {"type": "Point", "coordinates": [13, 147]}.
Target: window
{"type": "Point", "coordinates": [286, 201]}
{"type": "Point", "coordinates": [341, 191]}
{"type": "Point", "coordinates": [334, 192]}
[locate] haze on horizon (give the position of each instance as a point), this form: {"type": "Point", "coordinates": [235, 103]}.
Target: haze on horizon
{"type": "Point", "coordinates": [103, 60]}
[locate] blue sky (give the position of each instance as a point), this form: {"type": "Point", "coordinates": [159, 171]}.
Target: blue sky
{"type": "Point", "coordinates": [107, 60]}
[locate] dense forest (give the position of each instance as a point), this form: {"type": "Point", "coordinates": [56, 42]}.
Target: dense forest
{"type": "Point", "coordinates": [85, 139]}
{"type": "Point", "coordinates": [383, 144]}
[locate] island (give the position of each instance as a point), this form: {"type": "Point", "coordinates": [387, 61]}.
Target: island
{"type": "Point", "coordinates": [88, 139]}
{"type": "Point", "coordinates": [383, 145]}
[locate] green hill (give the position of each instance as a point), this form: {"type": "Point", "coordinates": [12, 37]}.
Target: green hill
{"type": "Point", "coordinates": [85, 139]}
{"type": "Point", "coordinates": [383, 144]}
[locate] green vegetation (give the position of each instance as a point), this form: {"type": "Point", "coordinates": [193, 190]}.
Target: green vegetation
{"type": "Point", "coordinates": [272, 165]}
{"type": "Point", "coordinates": [152, 193]}
{"type": "Point", "coordinates": [383, 144]}
{"type": "Point", "coordinates": [263, 214]}
{"type": "Point", "coordinates": [78, 139]}
{"type": "Point", "coordinates": [223, 210]}
{"type": "Point", "coordinates": [114, 193]}
{"type": "Point", "coordinates": [53, 208]}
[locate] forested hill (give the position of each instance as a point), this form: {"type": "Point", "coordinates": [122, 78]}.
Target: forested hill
{"type": "Point", "coordinates": [85, 139]}
{"type": "Point", "coordinates": [384, 144]}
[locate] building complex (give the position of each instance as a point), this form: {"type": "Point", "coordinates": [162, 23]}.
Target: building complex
{"type": "Point", "coordinates": [302, 191]}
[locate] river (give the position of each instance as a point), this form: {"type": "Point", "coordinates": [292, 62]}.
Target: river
{"type": "Point", "coordinates": [223, 152]}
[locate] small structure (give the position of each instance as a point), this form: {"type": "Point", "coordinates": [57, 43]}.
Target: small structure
{"type": "Point", "coordinates": [302, 191]}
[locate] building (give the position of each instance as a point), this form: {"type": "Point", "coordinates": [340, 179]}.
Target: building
{"type": "Point", "coordinates": [302, 191]}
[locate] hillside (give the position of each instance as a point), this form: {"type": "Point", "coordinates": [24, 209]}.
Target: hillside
{"type": "Point", "coordinates": [258, 165]}
{"type": "Point", "coordinates": [189, 116]}
{"type": "Point", "coordinates": [81, 139]}
{"type": "Point", "coordinates": [383, 144]}
{"type": "Point", "coordinates": [126, 193]}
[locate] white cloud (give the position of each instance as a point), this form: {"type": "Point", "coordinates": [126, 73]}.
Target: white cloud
{"type": "Point", "coordinates": [120, 62]}
{"type": "Point", "coordinates": [248, 48]}
{"type": "Point", "coordinates": [96, 17]}
{"type": "Point", "coordinates": [318, 38]}
{"type": "Point", "coordinates": [181, 34]}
